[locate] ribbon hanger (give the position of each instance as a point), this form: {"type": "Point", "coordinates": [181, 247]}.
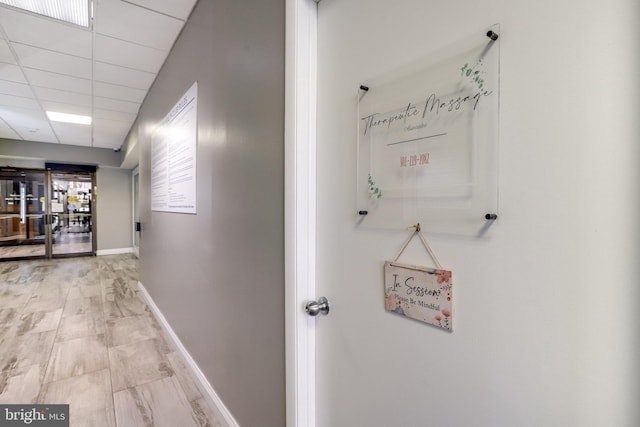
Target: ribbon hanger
{"type": "Point", "coordinates": [424, 242]}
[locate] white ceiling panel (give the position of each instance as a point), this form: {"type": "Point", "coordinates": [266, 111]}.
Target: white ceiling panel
{"type": "Point", "coordinates": [177, 9]}
{"type": "Point", "coordinates": [12, 73]}
{"type": "Point", "coordinates": [30, 125]}
{"type": "Point", "coordinates": [18, 101]}
{"type": "Point", "coordinates": [61, 96]}
{"type": "Point", "coordinates": [5, 53]}
{"type": "Point", "coordinates": [129, 22]}
{"type": "Point", "coordinates": [47, 60]}
{"type": "Point", "coordinates": [7, 132]}
{"type": "Point", "coordinates": [113, 125]}
{"type": "Point", "coordinates": [127, 54]}
{"type": "Point", "coordinates": [99, 113]}
{"type": "Point", "coordinates": [58, 81]}
{"type": "Point", "coordinates": [16, 89]}
{"type": "Point", "coordinates": [51, 35]}
{"type": "Point", "coordinates": [114, 74]}
{"type": "Point", "coordinates": [106, 90]}
{"type": "Point", "coordinates": [116, 105]}
{"type": "Point", "coordinates": [71, 134]}
{"type": "Point", "coordinates": [106, 138]}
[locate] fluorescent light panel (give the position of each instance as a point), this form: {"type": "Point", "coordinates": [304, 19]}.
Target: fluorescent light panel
{"type": "Point", "coordinates": [68, 118]}
{"type": "Point", "coordinates": [73, 11]}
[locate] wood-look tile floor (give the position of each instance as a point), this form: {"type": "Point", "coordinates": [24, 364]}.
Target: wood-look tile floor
{"type": "Point", "coordinates": [75, 331]}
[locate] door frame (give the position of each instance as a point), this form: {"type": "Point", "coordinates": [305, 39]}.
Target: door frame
{"type": "Point", "coordinates": [135, 208]}
{"type": "Point", "coordinates": [94, 213]}
{"type": "Point", "coordinates": [300, 209]}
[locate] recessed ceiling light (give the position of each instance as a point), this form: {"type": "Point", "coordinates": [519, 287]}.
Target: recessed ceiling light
{"type": "Point", "coordinates": [68, 118]}
{"type": "Point", "coordinates": [73, 11]}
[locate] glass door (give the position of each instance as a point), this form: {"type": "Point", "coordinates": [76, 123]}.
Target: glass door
{"type": "Point", "coordinates": [22, 214]}
{"type": "Point", "coordinates": [72, 214]}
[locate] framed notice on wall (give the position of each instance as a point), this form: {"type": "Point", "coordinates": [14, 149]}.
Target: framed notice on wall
{"type": "Point", "coordinates": [174, 157]}
{"type": "Point", "coordinates": [427, 140]}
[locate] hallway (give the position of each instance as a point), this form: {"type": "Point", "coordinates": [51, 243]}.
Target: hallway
{"type": "Point", "coordinates": [75, 331]}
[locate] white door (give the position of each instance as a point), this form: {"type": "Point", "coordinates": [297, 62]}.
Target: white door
{"type": "Point", "coordinates": [373, 368]}
{"type": "Point", "coordinates": [358, 365]}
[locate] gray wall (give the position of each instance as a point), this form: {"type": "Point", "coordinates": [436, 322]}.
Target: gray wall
{"type": "Point", "coordinates": [218, 276]}
{"type": "Point", "coordinates": [114, 211]}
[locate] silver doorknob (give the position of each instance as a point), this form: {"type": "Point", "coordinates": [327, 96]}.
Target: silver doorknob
{"type": "Point", "coordinates": [314, 308]}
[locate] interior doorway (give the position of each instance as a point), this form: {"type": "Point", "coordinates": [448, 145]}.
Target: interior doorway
{"type": "Point", "coordinates": [46, 214]}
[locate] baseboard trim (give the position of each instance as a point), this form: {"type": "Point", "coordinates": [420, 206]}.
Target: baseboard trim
{"type": "Point", "coordinates": [221, 412]}
{"type": "Point", "coordinates": [101, 252]}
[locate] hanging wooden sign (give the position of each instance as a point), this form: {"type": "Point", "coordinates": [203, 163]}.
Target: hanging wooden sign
{"type": "Point", "coordinates": [421, 293]}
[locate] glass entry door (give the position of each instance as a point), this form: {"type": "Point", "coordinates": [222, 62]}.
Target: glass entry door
{"type": "Point", "coordinates": [22, 214]}
{"type": "Point", "coordinates": [72, 219]}
{"type": "Point", "coordinates": [46, 214]}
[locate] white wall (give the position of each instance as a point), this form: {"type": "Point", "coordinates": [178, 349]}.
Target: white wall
{"type": "Point", "coordinates": [547, 303]}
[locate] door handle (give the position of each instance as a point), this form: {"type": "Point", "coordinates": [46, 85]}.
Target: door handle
{"type": "Point", "coordinates": [313, 308]}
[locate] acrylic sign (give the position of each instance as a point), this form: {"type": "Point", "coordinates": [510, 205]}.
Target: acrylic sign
{"type": "Point", "coordinates": [420, 293]}
{"type": "Point", "coordinates": [427, 141]}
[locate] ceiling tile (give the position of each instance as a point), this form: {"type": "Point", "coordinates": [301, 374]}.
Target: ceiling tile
{"type": "Point", "coordinates": [177, 9]}
{"type": "Point", "coordinates": [6, 132]}
{"type": "Point", "coordinates": [18, 101]}
{"type": "Point", "coordinates": [123, 76]}
{"type": "Point", "coordinates": [99, 113]}
{"type": "Point", "coordinates": [71, 134]}
{"type": "Point", "coordinates": [30, 124]}
{"type": "Point", "coordinates": [46, 94]}
{"type": "Point", "coordinates": [47, 60]}
{"type": "Point", "coordinates": [45, 33]}
{"type": "Point", "coordinates": [11, 72]}
{"type": "Point", "coordinates": [116, 105]}
{"type": "Point", "coordinates": [109, 135]}
{"type": "Point", "coordinates": [100, 141]}
{"type": "Point", "coordinates": [114, 126]}
{"type": "Point", "coordinates": [58, 81]}
{"type": "Point", "coordinates": [5, 53]}
{"type": "Point", "coordinates": [16, 89]}
{"type": "Point", "coordinates": [122, 93]}
{"type": "Point", "coordinates": [135, 24]}
{"type": "Point", "coordinates": [130, 55]}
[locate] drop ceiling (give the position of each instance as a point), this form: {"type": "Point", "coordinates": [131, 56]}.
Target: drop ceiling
{"type": "Point", "coordinates": [103, 72]}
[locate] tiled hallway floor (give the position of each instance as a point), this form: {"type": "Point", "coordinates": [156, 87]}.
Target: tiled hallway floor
{"type": "Point", "coordinates": [75, 331]}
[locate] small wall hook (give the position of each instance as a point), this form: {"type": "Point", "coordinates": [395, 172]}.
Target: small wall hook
{"type": "Point", "coordinates": [417, 227]}
{"type": "Point", "coordinates": [491, 217]}
{"type": "Point", "coordinates": [364, 88]}
{"type": "Point", "coordinates": [363, 212]}
{"type": "Point", "coordinates": [493, 35]}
